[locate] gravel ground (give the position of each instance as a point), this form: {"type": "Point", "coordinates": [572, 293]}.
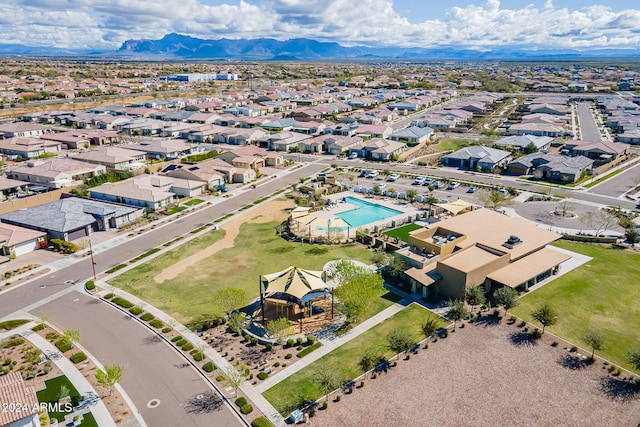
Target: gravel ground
{"type": "Point", "coordinates": [487, 375]}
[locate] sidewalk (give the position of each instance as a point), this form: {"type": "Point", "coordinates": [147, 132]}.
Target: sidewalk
{"type": "Point", "coordinates": [328, 345]}
{"type": "Point", "coordinates": [98, 408]}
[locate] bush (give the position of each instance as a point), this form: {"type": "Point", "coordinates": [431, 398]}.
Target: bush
{"type": "Point", "coordinates": [337, 398]}
{"type": "Point", "coordinates": [181, 342]}
{"type": "Point", "coordinates": [122, 302]}
{"type": "Point", "coordinates": [288, 356]}
{"type": "Point", "coordinates": [573, 349]}
{"type": "Point", "coordinates": [254, 341]}
{"type": "Point", "coordinates": [59, 245]}
{"type": "Point", "coordinates": [115, 268]}
{"type": "Point", "coordinates": [166, 330]}
{"type": "Point", "coordinates": [90, 285]}
{"type": "Point", "coordinates": [309, 349]}
{"type": "Point", "coordinates": [63, 345]}
{"type": "Point", "coordinates": [156, 323]}
{"type": "Point", "coordinates": [311, 339]}
{"type": "Point", "coordinates": [187, 346]}
{"type": "Point", "coordinates": [136, 311]}
{"type": "Point", "coordinates": [38, 327]}
{"type": "Point", "coordinates": [246, 409]}
{"type": "Point", "coordinates": [7, 325]}
{"type": "Point", "coordinates": [247, 338]}
{"type": "Point", "coordinates": [275, 365]}
{"type": "Point", "coordinates": [325, 405]}
{"type": "Point", "coordinates": [14, 342]}
{"type": "Point", "coordinates": [554, 344]}
{"type": "Point", "coordinates": [147, 317]}
{"type": "Point", "coordinates": [176, 338]}
{"type": "Point", "coordinates": [220, 378]}
{"type": "Point", "coordinates": [261, 422]}
{"type": "Point", "coordinates": [262, 375]}
{"type": "Point", "coordinates": [536, 334]}
{"type": "Point", "coordinates": [290, 342]}
{"type": "Point", "coordinates": [240, 402]}
{"type": "Point", "coordinates": [268, 347]}
{"type": "Point", "coordinates": [312, 412]}
{"type": "Point", "coordinates": [299, 341]}
{"type": "Point", "coordinates": [108, 296]}
{"type": "Point", "coordinates": [78, 357]}
{"type": "Point", "coordinates": [208, 367]}
{"type": "Point", "coordinates": [198, 357]}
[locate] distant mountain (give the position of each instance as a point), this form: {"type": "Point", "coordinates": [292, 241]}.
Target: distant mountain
{"type": "Point", "coordinates": [178, 46]}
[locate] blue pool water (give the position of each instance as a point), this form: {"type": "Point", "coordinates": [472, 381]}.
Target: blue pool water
{"type": "Point", "coordinates": [365, 212]}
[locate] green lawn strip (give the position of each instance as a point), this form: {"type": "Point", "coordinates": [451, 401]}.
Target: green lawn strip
{"type": "Point", "coordinates": [602, 294]}
{"type": "Point", "coordinates": [287, 394]}
{"type": "Point", "coordinates": [174, 209]}
{"type": "Point", "coordinates": [193, 202]}
{"type": "Point", "coordinates": [8, 325]}
{"type": "Point", "coordinates": [51, 394]}
{"type": "Point", "coordinates": [604, 177]}
{"type": "Point", "coordinates": [402, 233]}
{"type": "Point", "coordinates": [453, 144]}
{"type": "Point", "coordinates": [257, 250]}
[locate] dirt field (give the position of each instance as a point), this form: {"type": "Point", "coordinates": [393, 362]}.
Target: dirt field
{"type": "Point", "coordinates": [487, 375]}
{"type": "Point", "coordinates": [272, 211]}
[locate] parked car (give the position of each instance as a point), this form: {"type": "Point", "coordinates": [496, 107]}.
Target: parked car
{"type": "Point", "coordinates": [472, 189]}
{"type": "Point", "coordinates": [428, 181]}
{"type": "Point", "coordinates": [393, 177]}
{"type": "Point", "coordinates": [353, 156]}
{"type": "Point", "coordinates": [504, 192]}
{"type": "Point", "coordinates": [438, 184]}
{"type": "Point", "coordinates": [373, 174]}
{"type": "Point", "coordinates": [364, 173]}
{"type": "Point", "coordinates": [453, 185]}
{"type": "Point", "coordinates": [382, 185]}
{"type": "Point", "coordinates": [419, 180]}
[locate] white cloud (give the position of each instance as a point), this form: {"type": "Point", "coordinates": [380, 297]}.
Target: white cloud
{"type": "Point", "coordinates": [106, 23]}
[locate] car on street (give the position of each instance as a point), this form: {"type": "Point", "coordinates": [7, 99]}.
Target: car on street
{"type": "Point", "coordinates": [419, 180]}
{"type": "Point", "coordinates": [393, 177]}
{"type": "Point", "coordinates": [453, 185]}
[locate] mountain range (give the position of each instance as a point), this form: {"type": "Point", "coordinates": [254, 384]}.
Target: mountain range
{"type": "Point", "coordinates": [176, 47]}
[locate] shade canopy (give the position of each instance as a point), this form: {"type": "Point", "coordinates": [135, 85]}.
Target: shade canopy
{"type": "Point", "coordinates": [456, 206]}
{"type": "Point", "coordinates": [299, 211]}
{"type": "Point", "coordinates": [294, 281]}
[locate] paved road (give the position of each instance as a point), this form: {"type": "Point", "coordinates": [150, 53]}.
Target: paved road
{"type": "Point", "coordinates": [102, 330]}
{"type": "Point", "coordinates": [619, 184]}
{"type": "Point", "coordinates": [588, 127]}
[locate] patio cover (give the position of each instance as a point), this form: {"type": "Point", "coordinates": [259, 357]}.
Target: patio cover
{"type": "Point", "coordinates": [456, 206]}
{"type": "Point", "coordinates": [294, 281]}
{"type": "Point", "coordinates": [299, 211]}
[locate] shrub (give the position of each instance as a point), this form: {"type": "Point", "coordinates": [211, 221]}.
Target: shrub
{"type": "Point", "coordinates": [299, 340]}
{"type": "Point", "coordinates": [312, 412]}
{"type": "Point", "coordinates": [176, 338]}
{"type": "Point", "coordinates": [246, 409]}
{"type": "Point", "coordinates": [299, 348]}
{"type": "Point", "coordinates": [268, 347]}
{"type": "Point", "coordinates": [166, 330]}
{"type": "Point", "coordinates": [52, 336]}
{"type": "Point", "coordinates": [536, 334]}
{"type": "Point", "coordinates": [108, 296]}
{"type": "Point", "coordinates": [187, 346]}
{"type": "Point", "coordinates": [63, 345]}
{"type": "Point", "coordinates": [198, 357]}
{"type": "Point", "coordinates": [247, 338]}
{"type": "Point", "coordinates": [254, 341]}
{"type": "Point", "coordinates": [461, 325]}
{"type": "Point", "coordinates": [311, 339]}
{"type": "Point", "coordinates": [156, 323]}
{"type": "Point", "coordinates": [147, 317]}
{"type": "Point", "coordinates": [240, 402]}
{"type": "Point", "coordinates": [275, 365]}
{"type": "Point", "coordinates": [261, 422]}
{"type": "Point", "coordinates": [554, 344]}
{"type": "Point", "coordinates": [122, 302]}
{"type": "Point", "coordinates": [181, 342]}
{"type": "Point", "coordinates": [208, 367]}
{"type": "Point", "coordinates": [59, 245]}
{"type": "Point", "coordinates": [7, 325]}
{"type": "Point", "coordinates": [78, 357]}
{"type": "Point", "coordinates": [220, 378]}
{"type": "Point", "coordinates": [14, 342]}
{"type": "Point", "coordinates": [38, 327]}
{"type": "Point", "coordinates": [90, 285]}
{"type": "Point", "coordinates": [262, 375]}
{"type": "Point", "coordinates": [288, 356]}
{"type": "Point", "coordinates": [115, 268]}
{"type": "Point", "coordinates": [290, 342]}
{"type": "Point", "coordinates": [136, 311]}
{"type": "Point", "coordinates": [337, 399]}
{"type": "Point", "coordinates": [309, 349]}
{"type": "Point", "coordinates": [325, 405]}
{"type": "Point", "coordinates": [573, 349]}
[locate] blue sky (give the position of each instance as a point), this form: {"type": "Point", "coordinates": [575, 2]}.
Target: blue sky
{"type": "Point", "coordinates": [474, 24]}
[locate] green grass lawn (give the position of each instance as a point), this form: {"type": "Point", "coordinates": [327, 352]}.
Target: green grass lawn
{"type": "Point", "coordinates": [602, 294]}
{"type": "Point", "coordinates": [258, 250]}
{"type": "Point", "coordinates": [299, 387]}
{"type": "Point", "coordinates": [454, 144]}
{"type": "Point", "coordinates": [402, 233]}
{"type": "Point", "coordinates": [51, 394]}
{"type": "Point", "coordinates": [604, 178]}
{"type": "Point", "coordinates": [174, 209]}
{"type": "Point", "coordinates": [193, 202]}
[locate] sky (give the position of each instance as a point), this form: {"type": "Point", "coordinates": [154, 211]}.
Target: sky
{"type": "Point", "coordinates": [475, 24]}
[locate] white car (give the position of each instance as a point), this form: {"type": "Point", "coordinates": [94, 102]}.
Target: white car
{"type": "Point", "coordinates": [353, 156]}
{"type": "Point", "coordinates": [372, 174]}
{"type": "Point", "coordinates": [453, 185]}
{"type": "Point", "coordinates": [419, 180]}
{"type": "Point", "coordinates": [382, 185]}
{"type": "Point", "coordinates": [393, 177]}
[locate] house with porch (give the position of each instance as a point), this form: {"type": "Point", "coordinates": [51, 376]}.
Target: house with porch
{"type": "Point", "coordinates": [477, 157]}
{"type": "Point", "coordinates": [557, 168]}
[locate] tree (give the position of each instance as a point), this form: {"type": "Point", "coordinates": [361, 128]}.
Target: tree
{"type": "Point", "coordinates": [599, 220]}
{"type": "Point", "coordinates": [564, 205]}
{"type": "Point", "coordinates": [633, 357]}
{"type": "Point", "coordinates": [456, 311]}
{"type": "Point", "coordinates": [357, 295]}
{"type": "Point", "coordinates": [72, 335]}
{"type": "Point", "coordinates": [475, 296]}
{"type": "Point", "coordinates": [237, 322]}
{"type": "Point", "coordinates": [411, 194]}
{"type": "Point", "coordinates": [396, 266]}
{"type": "Point", "coordinates": [400, 340]}
{"type": "Point", "coordinates": [42, 318]}
{"type": "Point", "coordinates": [233, 378]}
{"type": "Point", "coordinates": [530, 148]}
{"type": "Point", "coordinates": [328, 379]}
{"type": "Point", "coordinates": [229, 299]}
{"type": "Point", "coordinates": [546, 315]}
{"type": "Point", "coordinates": [109, 376]}
{"type": "Point", "coordinates": [492, 199]}
{"type": "Point", "coordinates": [595, 339]}
{"type": "Point", "coordinates": [431, 325]}
{"type": "Point", "coordinates": [379, 258]}
{"type": "Point", "coordinates": [368, 362]}
{"type": "Point", "coordinates": [506, 297]}
{"type": "Point", "coordinates": [274, 328]}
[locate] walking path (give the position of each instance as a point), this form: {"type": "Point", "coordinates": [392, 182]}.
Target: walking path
{"type": "Point", "coordinates": [98, 408]}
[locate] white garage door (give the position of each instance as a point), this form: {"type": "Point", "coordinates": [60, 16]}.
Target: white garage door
{"type": "Point", "coordinates": [25, 248]}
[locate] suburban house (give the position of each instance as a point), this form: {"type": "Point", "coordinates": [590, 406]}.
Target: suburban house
{"type": "Point", "coordinates": [72, 218]}
{"type": "Point", "coordinates": [232, 173]}
{"type": "Point", "coordinates": [284, 141]}
{"type": "Point", "coordinates": [631, 136]}
{"type": "Point", "coordinates": [412, 134]}
{"type": "Point", "coordinates": [551, 167]}
{"type": "Point", "coordinates": [11, 188]}
{"type": "Point", "coordinates": [164, 149]}
{"type": "Point", "coordinates": [251, 156]}
{"type": "Point", "coordinates": [71, 140]}
{"type": "Point", "coordinates": [22, 129]}
{"type": "Point", "coordinates": [14, 391]}
{"type": "Point", "coordinates": [481, 247]}
{"type": "Point", "coordinates": [27, 147]}
{"type": "Point", "coordinates": [336, 145]}
{"type": "Point", "coordinates": [378, 149]}
{"type": "Point", "coordinates": [602, 151]}
{"type": "Point", "coordinates": [197, 172]}
{"type": "Point", "coordinates": [55, 172]}
{"type": "Point", "coordinates": [539, 128]}
{"type": "Point", "coordinates": [521, 142]}
{"type": "Point", "coordinates": [477, 157]}
{"type": "Point", "coordinates": [114, 158]}
{"type": "Point", "coordinates": [242, 136]}
{"type": "Point", "coordinates": [18, 241]}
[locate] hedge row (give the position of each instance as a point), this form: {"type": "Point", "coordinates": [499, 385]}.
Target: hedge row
{"type": "Point", "coordinates": [147, 317]}
{"type": "Point", "coordinates": [158, 324]}
{"type": "Point", "coordinates": [122, 302]}
{"type": "Point", "coordinates": [7, 325]}
{"type": "Point", "coordinates": [136, 311]}
{"type": "Point", "coordinates": [309, 349]}
{"type": "Point", "coordinates": [64, 345]}
{"type": "Point", "coordinates": [144, 255]}
{"type": "Point", "coordinates": [78, 357]}
{"type": "Point", "coordinates": [116, 268]}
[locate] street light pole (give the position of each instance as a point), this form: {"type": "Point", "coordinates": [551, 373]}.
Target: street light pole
{"type": "Point", "coordinates": [93, 262]}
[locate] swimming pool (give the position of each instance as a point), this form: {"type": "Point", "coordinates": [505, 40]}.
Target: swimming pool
{"type": "Point", "coordinates": [365, 212]}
